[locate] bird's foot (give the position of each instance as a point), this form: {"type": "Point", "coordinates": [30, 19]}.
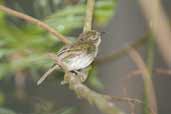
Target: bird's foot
{"type": "Point", "coordinates": [82, 76]}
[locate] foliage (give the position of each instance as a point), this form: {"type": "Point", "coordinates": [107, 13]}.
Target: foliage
{"type": "Point", "coordinates": [74, 16]}
{"type": "Point", "coordinates": [23, 47]}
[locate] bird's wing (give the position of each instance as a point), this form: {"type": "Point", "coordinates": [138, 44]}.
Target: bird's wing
{"type": "Point", "coordinates": [71, 51]}
{"type": "Point", "coordinates": [63, 50]}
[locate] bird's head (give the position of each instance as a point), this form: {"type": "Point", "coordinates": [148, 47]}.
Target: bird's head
{"type": "Point", "coordinates": [91, 36]}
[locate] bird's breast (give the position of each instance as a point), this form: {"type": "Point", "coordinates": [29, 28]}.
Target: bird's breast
{"type": "Point", "coordinates": [79, 62]}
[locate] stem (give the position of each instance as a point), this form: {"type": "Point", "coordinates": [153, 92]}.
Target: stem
{"type": "Point", "coordinates": [150, 54]}
{"type": "Point", "coordinates": [34, 21]}
{"type": "Point", "coordinates": [89, 15]}
{"type": "Point", "coordinates": [150, 101]}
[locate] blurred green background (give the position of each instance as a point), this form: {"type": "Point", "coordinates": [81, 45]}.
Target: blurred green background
{"type": "Point", "coordinates": [23, 49]}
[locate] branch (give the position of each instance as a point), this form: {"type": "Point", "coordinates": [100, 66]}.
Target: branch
{"type": "Point", "coordinates": [36, 22]}
{"type": "Point", "coordinates": [159, 24]}
{"type": "Point", "coordinates": [163, 71]}
{"type": "Point", "coordinates": [103, 102]}
{"type": "Point", "coordinates": [122, 52]}
{"type": "Point", "coordinates": [131, 105]}
{"type": "Point", "coordinates": [160, 71]}
{"type": "Point", "coordinates": [148, 83]}
{"type": "Point", "coordinates": [89, 15]}
{"type": "Point", "coordinates": [126, 99]}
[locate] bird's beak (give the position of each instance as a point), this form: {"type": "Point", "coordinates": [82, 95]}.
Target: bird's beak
{"type": "Point", "coordinates": [102, 33]}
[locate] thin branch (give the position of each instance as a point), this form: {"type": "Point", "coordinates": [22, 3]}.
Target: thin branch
{"type": "Point", "coordinates": [120, 53]}
{"type": "Point", "coordinates": [102, 102]}
{"type": "Point", "coordinates": [159, 71]}
{"type": "Point", "coordinates": [131, 105]}
{"type": "Point", "coordinates": [159, 24]}
{"type": "Point", "coordinates": [36, 22]}
{"type": "Point", "coordinates": [89, 15]}
{"type": "Point", "coordinates": [148, 83]}
{"type": "Point", "coordinates": [47, 74]}
{"type": "Point", "coordinates": [163, 71]}
{"type": "Point", "coordinates": [126, 99]}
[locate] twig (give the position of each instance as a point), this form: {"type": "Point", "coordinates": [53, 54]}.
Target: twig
{"type": "Point", "coordinates": [159, 24]}
{"type": "Point", "coordinates": [156, 70]}
{"type": "Point", "coordinates": [89, 15]}
{"type": "Point", "coordinates": [34, 21]}
{"type": "Point", "coordinates": [149, 88]}
{"type": "Point", "coordinates": [163, 71]}
{"type": "Point", "coordinates": [101, 101]}
{"type": "Point", "coordinates": [131, 105]}
{"type": "Point", "coordinates": [134, 73]}
{"type": "Point", "coordinates": [47, 74]}
{"type": "Point", "coordinates": [127, 99]}
{"type": "Point", "coordinates": [122, 52]}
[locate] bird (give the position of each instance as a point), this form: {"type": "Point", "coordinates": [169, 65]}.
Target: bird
{"type": "Point", "coordinates": [79, 55]}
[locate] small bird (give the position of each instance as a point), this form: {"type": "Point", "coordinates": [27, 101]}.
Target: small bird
{"type": "Point", "coordinates": [78, 55]}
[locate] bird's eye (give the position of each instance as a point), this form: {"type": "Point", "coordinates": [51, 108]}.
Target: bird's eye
{"type": "Point", "coordinates": [94, 37]}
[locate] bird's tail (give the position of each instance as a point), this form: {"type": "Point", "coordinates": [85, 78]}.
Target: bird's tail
{"type": "Point", "coordinates": [47, 74]}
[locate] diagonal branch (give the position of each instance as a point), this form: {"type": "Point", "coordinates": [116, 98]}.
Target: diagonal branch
{"type": "Point", "coordinates": [36, 22]}
{"type": "Point", "coordinates": [159, 24]}
{"type": "Point", "coordinates": [47, 74]}
{"type": "Point", "coordinates": [103, 102]}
